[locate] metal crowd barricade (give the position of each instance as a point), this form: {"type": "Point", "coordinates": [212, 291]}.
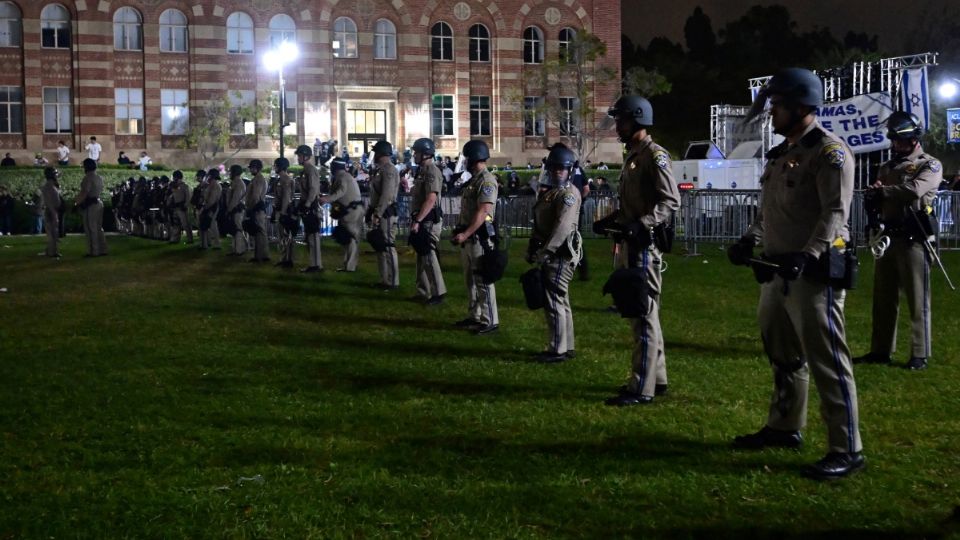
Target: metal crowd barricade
{"type": "Point", "coordinates": [710, 216]}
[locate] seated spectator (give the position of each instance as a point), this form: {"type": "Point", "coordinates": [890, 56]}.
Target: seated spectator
{"type": "Point", "coordinates": [39, 160]}
{"type": "Point", "coordinates": [602, 167]}
{"type": "Point", "coordinates": [588, 164]}
{"type": "Point", "coordinates": [122, 159]}
{"type": "Point", "coordinates": [7, 161]}
{"type": "Point", "coordinates": [63, 154]}
{"type": "Point", "coordinates": [144, 162]}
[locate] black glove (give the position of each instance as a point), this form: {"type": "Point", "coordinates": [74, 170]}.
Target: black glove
{"type": "Point", "coordinates": [741, 252]}
{"type": "Point", "coordinates": [792, 264]}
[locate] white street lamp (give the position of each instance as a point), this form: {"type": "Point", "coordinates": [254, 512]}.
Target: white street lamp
{"type": "Point", "coordinates": [948, 90]}
{"type": "Point", "coordinates": [276, 59]}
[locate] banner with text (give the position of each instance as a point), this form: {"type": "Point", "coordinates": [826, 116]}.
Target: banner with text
{"type": "Point", "coordinates": [953, 125]}
{"type": "Point", "coordinates": [859, 121]}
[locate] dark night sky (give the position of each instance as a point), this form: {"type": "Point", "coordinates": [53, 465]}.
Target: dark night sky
{"type": "Point", "coordinates": [891, 20]}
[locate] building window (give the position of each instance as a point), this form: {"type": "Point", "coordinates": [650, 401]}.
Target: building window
{"type": "Point", "coordinates": [239, 33]}
{"type": "Point", "coordinates": [128, 110]}
{"type": "Point", "coordinates": [127, 30]}
{"type": "Point", "coordinates": [441, 41]}
{"type": "Point", "coordinates": [57, 110]}
{"type": "Point", "coordinates": [532, 45]}
{"type": "Point", "coordinates": [442, 114]}
{"type": "Point", "coordinates": [173, 31]}
{"type": "Point", "coordinates": [174, 112]}
{"type": "Point", "coordinates": [55, 27]}
{"type": "Point", "coordinates": [9, 25]}
{"type": "Point", "coordinates": [480, 115]}
{"type": "Point", "coordinates": [344, 38]}
{"type": "Point", "coordinates": [566, 38]}
{"type": "Point", "coordinates": [282, 28]}
{"type": "Point", "coordinates": [290, 109]}
{"type": "Point", "coordinates": [241, 102]}
{"type": "Point", "coordinates": [568, 116]}
{"type": "Point", "coordinates": [11, 109]}
{"type": "Point", "coordinates": [385, 40]}
{"type": "Point", "coordinates": [479, 43]}
{"type": "Point", "coordinates": [533, 117]}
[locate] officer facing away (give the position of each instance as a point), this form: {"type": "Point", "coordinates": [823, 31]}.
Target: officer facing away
{"type": "Point", "coordinates": [648, 199]}
{"type": "Point", "coordinates": [904, 191]}
{"type": "Point", "coordinates": [555, 247]}
{"type": "Point", "coordinates": [235, 208]}
{"type": "Point", "coordinates": [310, 207]}
{"type": "Point", "coordinates": [384, 188]}
{"type": "Point", "coordinates": [427, 220]}
{"type": "Point", "coordinates": [51, 218]}
{"type": "Point", "coordinates": [807, 188]}
{"type": "Point", "coordinates": [345, 194]}
{"type": "Point", "coordinates": [91, 207]}
{"type": "Point", "coordinates": [256, 203]}
{"type": "Point", "coordinates": [284, 213]}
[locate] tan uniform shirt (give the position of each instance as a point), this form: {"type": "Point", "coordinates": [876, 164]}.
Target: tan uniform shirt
{"type": "Point", "coordinates": [284, 193]}
{"type": "Point", "coordinates": [648, 193]}
{"type": "Point", "coordinates": [211, 195]}
{"type": "Point", "coordinates": [806, 191]}
{"type": "Point", "coordinates": [555, 216]}
{"type": "Point", "coordinates": [428, 180]}
{"type": "Point", "coordinates": [51, 197]}
{"type": "Point", "coordinates": [235, 196]}
{"type": "Point", "coordinates": [90, 187]}
{"type": "Point", "coordinates": [179, 195]}
{"type": "Point", "coordinates": [309, 185]}
{"type": "Point", "coordinates": [384, 188]}
{"type": "Point", "coordinates": [256, 191]}
{"type": "Point", "coordinates": [344, 189]}
{"type": "Point", "coordinates": [478, 190]}
{"type": "Point", "coordinates": [909, 182]}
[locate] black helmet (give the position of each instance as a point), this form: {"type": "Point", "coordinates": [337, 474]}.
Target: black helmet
{"type": "Point", "coordinates": [560, 157]}
{"type": "Point", "coordinates": [178, 175]}
{"type": "Point", "coordinates": [235, 170]}
{"type": "Point", "coordinates": [382, 148]}
{"type": "Point", "coordinates": [213, 174]}
{"type": "Point", "coordinates": [89, 165]}
{"type": "Point", "coordinates": [164, 179]}
{"type": "Point", "coordinates": [902, 126]}
{"type": "Point", "coordinates": [50, 173]}
{"type": "Point", "coordinates": [425, 146]}
{"type": "Point", "coordinates": [475, 151]}
{"type": "Point", "coordinates": [637, 107]}
{"type": "Point", "coordinates": [797, 85]}
{"type": "Point", "coordinates": [201, 173]}
{"type": "Point", "coordinates": [255, 164]}
{"type": "Point", "coordinates": [337, 165]}
{"type": "Point", "coordinates": [281, 164]}
{"type": "Point", "coordinates": [304, 150]}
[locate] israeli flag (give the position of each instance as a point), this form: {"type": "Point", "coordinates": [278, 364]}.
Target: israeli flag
{"type": "Point", "coordinates": [914, 94]}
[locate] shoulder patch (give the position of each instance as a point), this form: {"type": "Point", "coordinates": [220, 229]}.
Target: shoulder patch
{"type": "Point", "coordinates": [487, 188]}
{"type": "Point", "coordinates": [834, 154]}
{"type": "Point", "coordinates": [662, 159]}
{"type": "Point", "coordinates": [935, 166]}
{"type": "Point", "coordinates": [569, 199]}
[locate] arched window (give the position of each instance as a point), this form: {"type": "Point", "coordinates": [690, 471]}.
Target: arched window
{"type": "Point", "coordinates": [441, 41]}
{"type": "Point", "coordinates": [9, 25]}
{"type": "Point", "coordinates": [282, 28]}
{"type": "Point", "coordinates": [344, 38]}
{"type": "Point", "coordinates": [479, 43]}
{"type": "Point", "coordinates": [173, 31]}
{"type": "Point", "coordinates": [385, 40]}
{"type": "Point", "coordinates": [55, 27]}
{"type": "Point", "coordinates": [127, 30]}
{"type": "Point", "coordinates": [566, 38]}
{"type": "Point", "coordinates": [532, 45]}
{"type": "Point", "coordinates": [239, 33]}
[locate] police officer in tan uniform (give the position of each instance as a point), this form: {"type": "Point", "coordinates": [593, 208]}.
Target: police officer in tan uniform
{"type": "Point", "coordinates": [309, 207]}
{"type": "Point", "coordinates": [50, 196]}
{"type": "Point", "coordinates": [648, 199]}
{"type": "Point", "coordinates": [256, 203]}
{"type": "Point", "coordinates": [88, 200]}
{"type": "Point", "coordinates": [177, 201]}
{"type": "Point", "coordinates": [905, 189]}
{"type": "Point", "coordinates": [555, 246]}
{"type": "Point", "coordinates": [284, 213]}
{"type": "Point", "coordinates": [807, 188]}
{"type": "Point", "coordinates": [478, 206]}
{"type": "Point", "coordinates": [384, 187]}
{"type": "Point", "coordinates": [235, 208]}
{"type": "Point", "coordinates": [345, 194]}
{"type": "Point", "coordinates": [427, 186]}
{"type": "Point", "coordinates": [209, 230]}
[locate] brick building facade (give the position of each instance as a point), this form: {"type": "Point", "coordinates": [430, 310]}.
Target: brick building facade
{"type": "Point", "coordinates": [403, 69]}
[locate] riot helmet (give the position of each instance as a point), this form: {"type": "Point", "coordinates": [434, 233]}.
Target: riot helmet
{"type": "Point", "coordinates": [50, 173]}
{"type": "Point", "coordinates": [382, 148]}
{"type": "Point", "coordinates": [255, 164]}
{"type": "Point", "coordinates": [903, 126]}
{"type": "Point", "coordinates": [799, 88]}
{"type": "Point", "coordinates": [236, 170]}
{"type": "Point", "coordinates": [476, 150]}
{"type": "Point", "coordinates": [560, 158]}
{"type": "Point", "coordinates": [89, 165]}
{"type": "Point", "coordinates": [303, 150]}
{"type": "Point", "coordinates": [281, 164]}
{"type": "Point", "coordinates": [177, 175]}
{"type": "Point", "coordinates": [425, 146]}
{"type": "Point", "coordinates": [337, 164]}
{"type": "Point", "coordinates": [636, 107]}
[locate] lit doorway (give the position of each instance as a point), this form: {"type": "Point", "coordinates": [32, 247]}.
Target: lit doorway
{"type": "Point", "coordinates": [364, 128]}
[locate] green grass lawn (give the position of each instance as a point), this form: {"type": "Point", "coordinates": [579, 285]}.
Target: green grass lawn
{"type": "Point", "coordinates": [164, 392]}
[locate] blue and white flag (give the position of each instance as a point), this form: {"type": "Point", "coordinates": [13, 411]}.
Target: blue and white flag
{"type": "Point", "coordinates": [914, 95]}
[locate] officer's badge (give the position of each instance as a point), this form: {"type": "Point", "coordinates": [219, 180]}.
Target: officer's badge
{"type": "Point", "coordinates": [488, 188]}
{"type": "Point", "coordinates": [569, 199]}
{"type": "Point", "coordinates": [911, 168]}
{"type": "Point", "coordinates": [661, 159]}
{"type": "Point", "coordinates": [633, 165]}
{"type": "Point", "coordinates": [935, 166]}
{"type": "Point", "coordinates": [835, 155]}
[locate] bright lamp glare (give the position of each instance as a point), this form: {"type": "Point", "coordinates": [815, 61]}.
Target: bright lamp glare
{"type": "Point", "coordinates": [948, 90]}
{"type": "Point", "coordinates": [280, 56]}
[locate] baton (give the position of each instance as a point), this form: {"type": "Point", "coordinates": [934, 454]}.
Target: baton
{"type": "Point", "coordinates": [933, 253]}
{"type": "Point", "coordinates": [763, 262]}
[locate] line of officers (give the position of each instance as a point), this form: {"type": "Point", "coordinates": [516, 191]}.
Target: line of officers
{"type": "Point", "coordinates": [804, 269]}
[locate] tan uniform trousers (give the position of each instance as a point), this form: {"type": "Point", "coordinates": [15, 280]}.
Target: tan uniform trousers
{"type": "Point", "coordinates": [261, 246]}
{"type": "Point", "coordinates": [51, 225]}
{"type": "Point", "coordinates": [429, 277]}
{"type": "Point", "coordinates": [93, 229]}
{"type": "Point", "coordinates": [286, 243]}
{"type": "Point", "coordinates": [387, 260]}
{"type": "Point", "coordinates": [803, 331]}
{"type": "Point", "coordinates": [353, 222]}
{"type": "Point", "coordinates": [482, 297]}
{"type": "Point", "coordinates": [180, 225]}
{"type": "Point", "coordinates": [239, 237]}
{"type": "Point", "coordinates": [556, 277]}
{"type": "Point", "coordinates": [904, 267]}
{"type": "Point", "coordinates": [313, 245]}
{"type": "Point", "coordinates": [649, 360]}
{"type": "Point", "coordinates": [211, 237]}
